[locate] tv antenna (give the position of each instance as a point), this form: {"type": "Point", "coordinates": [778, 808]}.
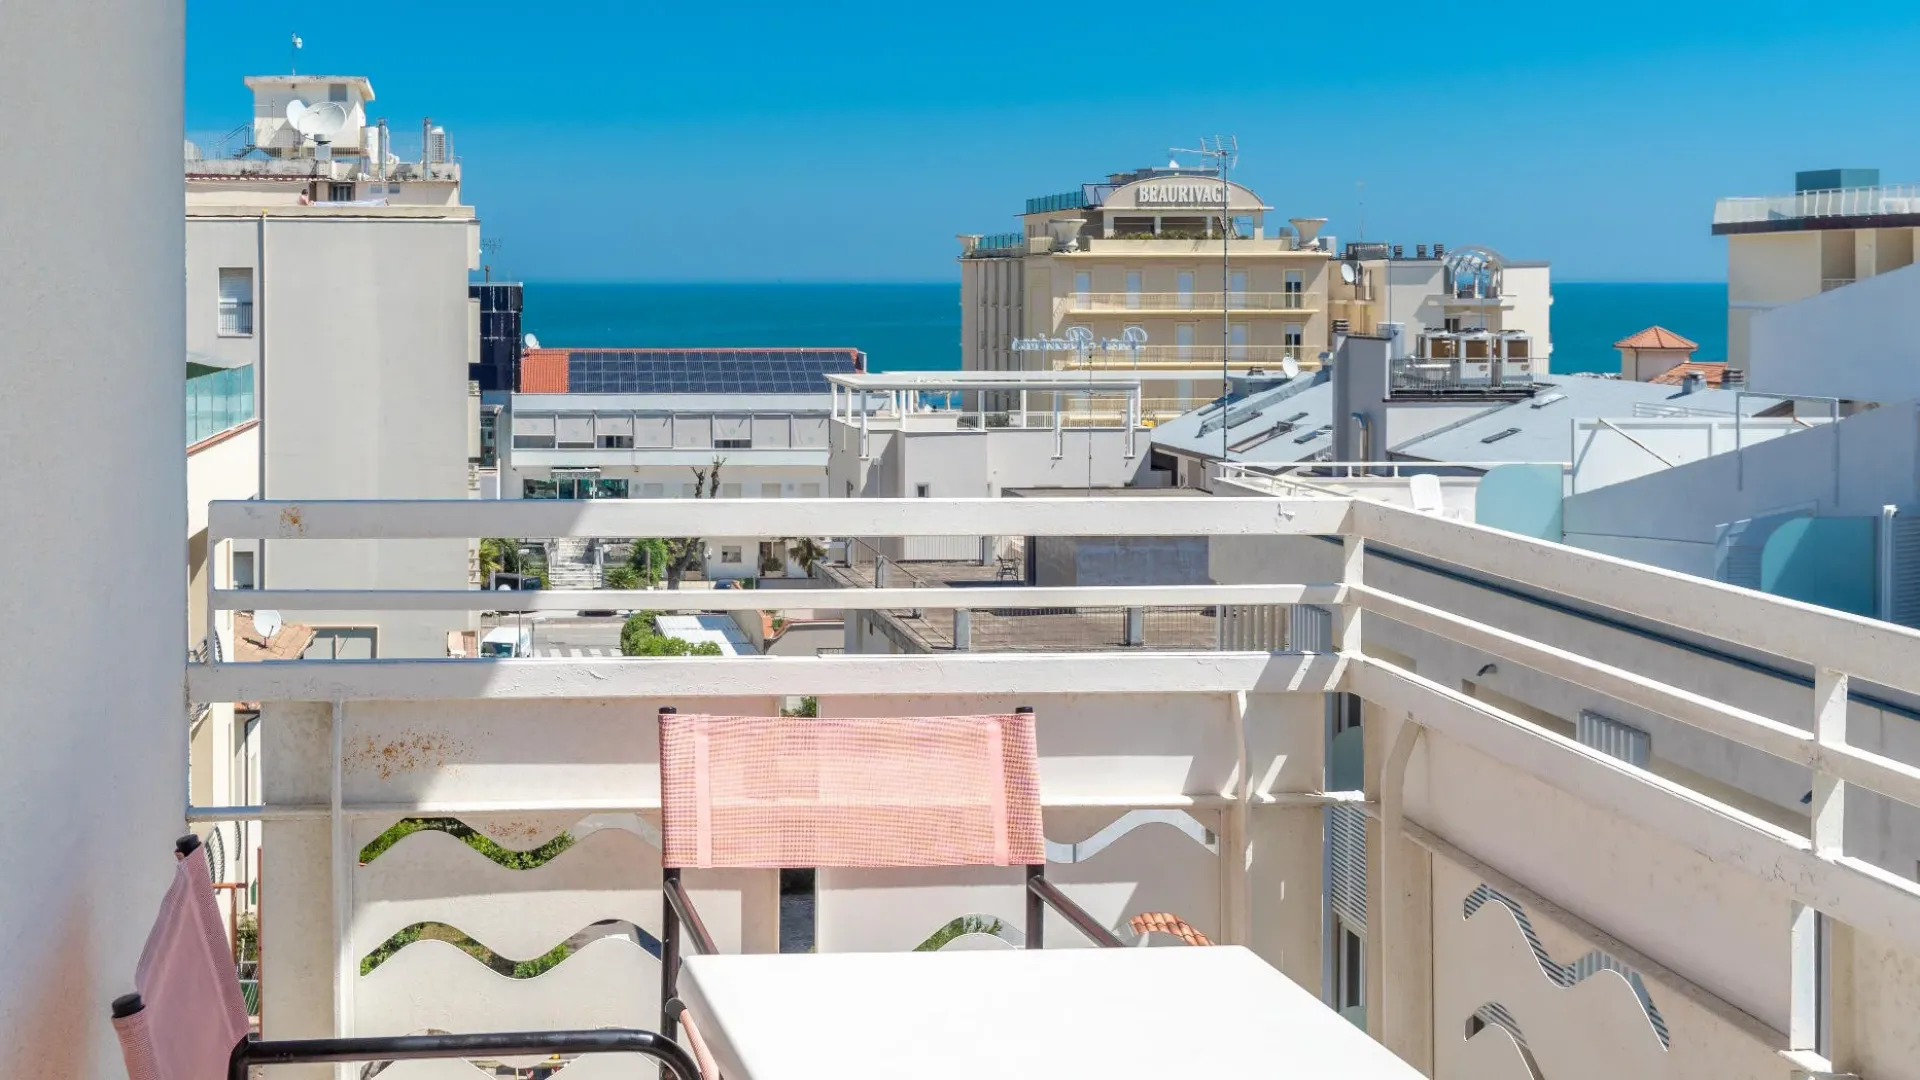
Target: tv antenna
{"type": "Point", "coordinates": [1223, 151]}
{"type": "Point", "coordinates": [490, 247]}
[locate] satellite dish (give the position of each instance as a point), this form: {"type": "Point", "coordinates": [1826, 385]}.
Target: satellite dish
{"type": "Point", "coordinates": [294, 109]}
{"type": "Point", "coordinates": [1349, 273]}
{"type": "Point", "coordinates": [268, 623]}
{"type": "Point", "coordinates": [532, 342]}
{"type": "Point", "coordinates": [320, 122]}
{"type": "Point", "coordinates": [1290, 367]}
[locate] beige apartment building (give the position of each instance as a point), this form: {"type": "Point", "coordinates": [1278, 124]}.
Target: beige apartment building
{"type": "Point", "coordinates": [1127, 275]}
{"type": "Point", "coordinates": [1838, 227]}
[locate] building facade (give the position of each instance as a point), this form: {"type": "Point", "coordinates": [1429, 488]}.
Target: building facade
{"type": "Point", "coordinates": [639, 423]}
{"type": "Point", "coordinates": [1838, 227]}
{"type": "Point", "coordinates": [1128, 275]}
{"type": "Point", "coordinates": [337, 274]}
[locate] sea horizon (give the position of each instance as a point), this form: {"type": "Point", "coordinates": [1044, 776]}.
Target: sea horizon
{"type": "Point", "coordinates": [915, 326]}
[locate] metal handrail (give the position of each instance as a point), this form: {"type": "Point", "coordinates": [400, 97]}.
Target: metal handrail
{"type": "Point", "coordinates": [1051, 896]}
{"type": "Point", "coordinates": [1186, 301]}
{"type": "Point", "coordinates": [1830, 202]}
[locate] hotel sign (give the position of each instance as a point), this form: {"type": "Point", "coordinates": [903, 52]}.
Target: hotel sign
{"type": "Point", "coordinates": [1081, 340]}
{"type": "Point", "coordinates": [1187, 194]}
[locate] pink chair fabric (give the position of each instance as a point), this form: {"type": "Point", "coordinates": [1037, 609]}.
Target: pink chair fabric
{"type": "Point", "coordinates": [769, 792]}
{"type": "Point", "coordinates": [194, 1013]}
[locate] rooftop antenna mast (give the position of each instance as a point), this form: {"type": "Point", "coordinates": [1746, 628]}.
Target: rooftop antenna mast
{"type": "Point", "coordinates": [293, 56]}
{"type": "Point", "coordinates": [490, 247]}
{"type": "Point", "coordinates": [1223, 153]}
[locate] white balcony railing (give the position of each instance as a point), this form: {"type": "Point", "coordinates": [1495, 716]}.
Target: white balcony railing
{"type": "Point", "coordinates": [1150, 357]}
{"type": "Point", "coordinates": [1836, 202]}
{"type": "Point", "coordinates": [1196, 783]}
{"type": "Point", "coordinates": [1186, 301]}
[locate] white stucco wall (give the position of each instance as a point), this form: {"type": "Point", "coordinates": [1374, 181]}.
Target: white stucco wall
{"type": "Point", "coordinates": [1765, 270]}
{"type": "Point", "coordinates": [91, 296]}
{"type": "Point", "coordinates": [1529, 289]}
{"type": "Point", "coordinates": [1671, 518]}
{"type": "Point", "coordinates": [1860, 342]}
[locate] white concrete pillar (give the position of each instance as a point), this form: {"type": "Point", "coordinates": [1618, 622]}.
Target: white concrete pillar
{"type": "Point", "coordinates": [962, 629]}
{"type": "Point", "coordinates": [92, 299]}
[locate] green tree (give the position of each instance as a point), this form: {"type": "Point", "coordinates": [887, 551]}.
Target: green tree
{"type": "Point", "coordinates": [622, 577]}
{"type": "Point", "coordinates": [649, 560]}
{"type": "Point", "coordinates": [641, 636]}
{"type": "Point", "coordinates": [498, 555]}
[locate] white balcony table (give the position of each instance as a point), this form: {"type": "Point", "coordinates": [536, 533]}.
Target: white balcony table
{"type": "Point", "coordinates": [1117, 1014]}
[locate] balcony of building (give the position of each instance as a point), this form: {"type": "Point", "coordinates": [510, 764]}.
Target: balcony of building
{"type": "Point", "coordinates": [1166, 358]}
{"type": "Point", "coordinates": [1182, 303]}
{"type": "Point", "coordinates": [1877, 206]}
{"type": "Point", "coordinates": [1369, 804]}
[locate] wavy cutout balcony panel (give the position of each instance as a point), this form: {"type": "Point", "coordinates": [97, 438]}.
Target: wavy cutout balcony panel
{"type": "Point", "coordinates": [1594, 1028]}
{"type": "Point", "coordinates": [1569, 974]}
{"type": "Point", "coordinates": [588, 1067]}
{"type": "Point", "coordinates": [611, 982]}
{"type": "Point", "coordinates": [1077, 851]}
{"type": "Point", "coordinates": [1493, 1052]}
{"type": "Point", "coordinates": [974, 932]}
{"type": "Point", "coordinates": [532, 967]}
{"type": "Point", "coordinates": [1151, 865]}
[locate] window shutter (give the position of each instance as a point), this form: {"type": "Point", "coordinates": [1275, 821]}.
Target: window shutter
{"type": "Point", "coordinates": [653, 430]}
{"type": "Point", "coordinates": [575, 430]}
{"type": "Point", "coordinates": [1906, 571]}
{"type": "Point", "coordinates": [810, 431]}
{"type": "Point", "coordinates": [693, 431]}
{"type": "Point", "coordinates": [1310, 629]}
{"type": "Point", "coordinates": [1613, 738]}
{"type": "Point", "coordinates": [613, 424]}
{"type": "Point", "coordinates": [532, 425]}
{"type": "Point", "coordinates": [770, 431]}
{"type": "Point", "coordinates": [1347, 892]}
{"type": "Point", "coordinates": [733, 427]}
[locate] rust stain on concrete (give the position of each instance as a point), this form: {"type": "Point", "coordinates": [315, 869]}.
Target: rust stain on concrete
{"type": "Point", "coordinates": [405, 753]}
{"type": "Point", "coordinates": [293, 520]}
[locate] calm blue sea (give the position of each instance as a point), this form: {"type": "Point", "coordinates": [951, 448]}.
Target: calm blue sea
{"type": "Point", "coordinates": [917, 327]}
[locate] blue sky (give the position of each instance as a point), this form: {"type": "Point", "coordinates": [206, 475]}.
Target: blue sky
{"type": "Point", "coordinates": [850, 141]}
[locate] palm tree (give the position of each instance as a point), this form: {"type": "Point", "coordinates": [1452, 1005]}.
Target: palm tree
{"type": "Point", "coordinates": [498, 555]}
{"type": "Point", "coordinates": [806, 552]}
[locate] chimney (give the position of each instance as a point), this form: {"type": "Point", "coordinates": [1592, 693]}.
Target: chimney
{"type": "Point", "coordinates": [1733, 379]}
{"type": "Point", "coordinates": [1692, 382]}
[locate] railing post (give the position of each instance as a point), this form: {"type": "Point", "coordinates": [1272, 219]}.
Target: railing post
{"type": "Point", "coordinates": [1353, 559]}
{"type": "Point", "coordinates": [1136, 626]}
{"type": "Point", "coordinates": [962, 629]}
{"type": "Point", "coordinates": [1809, 1020]}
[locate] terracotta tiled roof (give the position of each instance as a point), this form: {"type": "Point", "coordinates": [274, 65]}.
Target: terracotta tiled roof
{"type": "Point", "coordinates": [288, 643]}
{"type": "Point", "coordinates": [544, 371]}
{"type": "Point", "coordinates": [1655, 337]}
{"type": "Point", "coordinates": [1715, 374]}
{"type": "Point", "coordinates": [1159, 922]}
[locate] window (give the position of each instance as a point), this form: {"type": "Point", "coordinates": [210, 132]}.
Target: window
{"type": "Point", "coordinates": [610, 489]}
{"type": "Point", "coordinates": [1183, 284]}
{"type": "Point", "coordinates": [539, 489]}
{"type": "Point", "coordinates": [1133, 288]}
{"type": "Point", "coordinates": [613, 442]}
{"type": "Point", "coordinates": [1082, 289]}
{"type": "Point", "coordinates": [653, 491]}
{"type": "Point", "coordinates": [1296, 284]}
{"type": "Point", "coordinates": [769, 491]}
{"type": "Point", "coordinates": [574, 432]}
{"type": "Point", "coordinates": [922, 491]}
{"type": "Point", "coordinates": [809, 491]}
{"type": "Point", "coordinates": [730, 554]}
{"type": "Point", "coordinates": [1295, 335]}
{"type": "Point", "coordinates": [236, 301]}
{"type": "Point", "coordinates": [1237, 341]}
{"type": "Point", "coordinates": [1352, 970]}
{"type": "Point", "coordinates": [1237, 288]}
{"type": "Point", "coordinates": [733, 433]}
{"type": "Point", "coordinates": [1453, 325]}
{"type": "Point", "coordinates": [337, 92]}
{"type": "Point", "coordinates": [729, 491]}
{"type": "Point", "coordinates": [243, 569]}
{"type": "Point", "coordinates": [1183, 340]}
{"type": "Point", "coordinates": [339, 192]}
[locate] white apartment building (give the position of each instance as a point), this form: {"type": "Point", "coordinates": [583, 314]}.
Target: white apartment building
{"type": "Point", "coordinates": [1839, 226]}
{"type": "Point", "coordinates": [337, 273]}
{"type": "Point", "coordinates": [638, 423]}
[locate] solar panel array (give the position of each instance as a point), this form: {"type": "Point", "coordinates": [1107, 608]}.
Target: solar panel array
{"type": "Point", "coordinates": [706, 371]}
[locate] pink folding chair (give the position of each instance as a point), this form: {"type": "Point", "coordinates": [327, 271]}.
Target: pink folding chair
{"type": "Point", "coordinates": [775, 792]}
{"type": "Point", "coordinates": [187, 1021]}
